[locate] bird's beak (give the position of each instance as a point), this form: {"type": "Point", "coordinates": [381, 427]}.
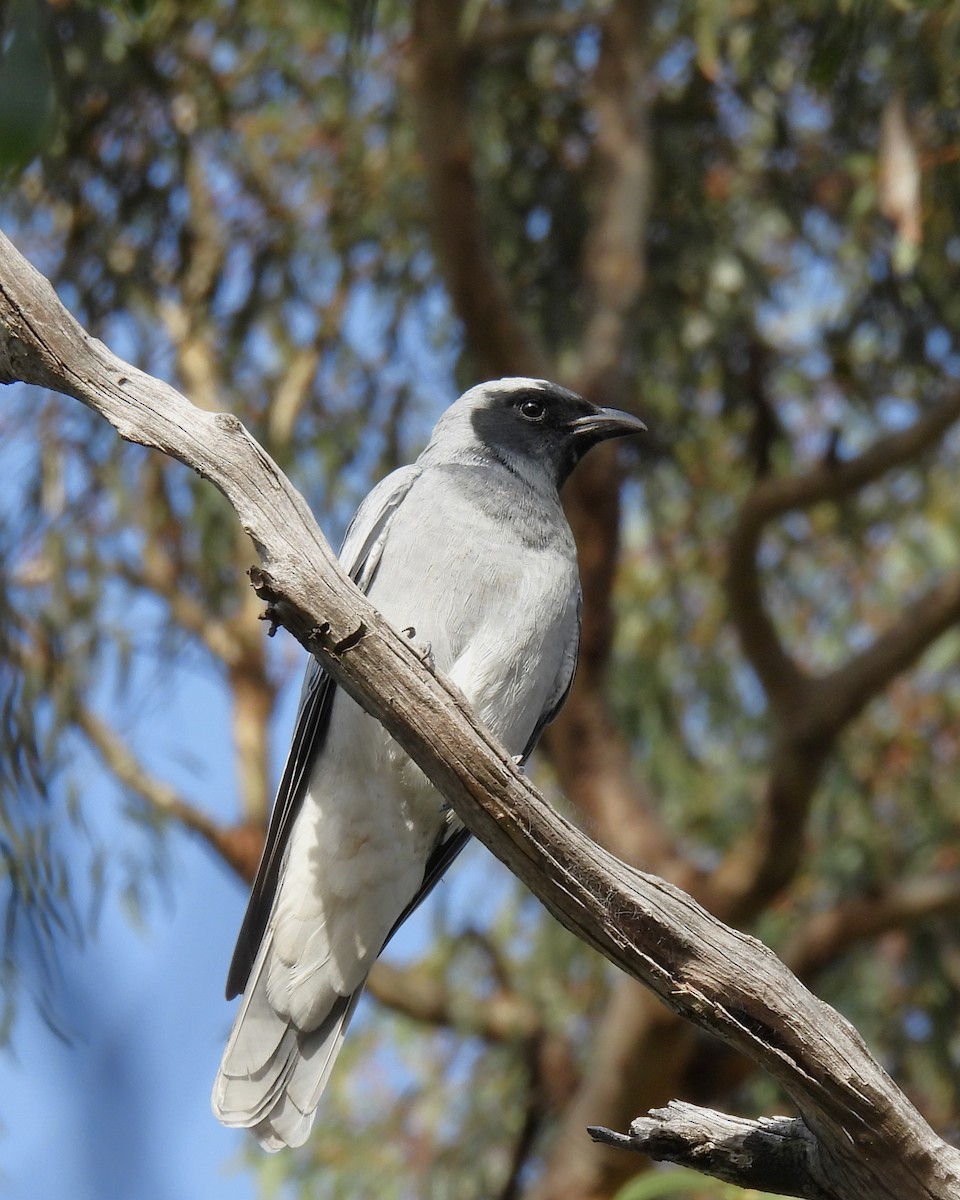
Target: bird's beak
{"type": "Point", "coordinates": [605, 423]}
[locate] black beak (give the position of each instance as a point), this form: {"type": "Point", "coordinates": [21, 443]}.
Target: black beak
{"type": "Point", "coordinates": [605, 423]}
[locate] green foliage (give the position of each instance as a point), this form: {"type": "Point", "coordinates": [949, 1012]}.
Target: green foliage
{"type": "Point", "coordinates": [688, 1185]}
{"type": "Point", "coordinates": [27, 90]}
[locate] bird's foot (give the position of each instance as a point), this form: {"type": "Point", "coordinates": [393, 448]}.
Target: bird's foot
{"type": "Point", "coordinates": [424, 650]}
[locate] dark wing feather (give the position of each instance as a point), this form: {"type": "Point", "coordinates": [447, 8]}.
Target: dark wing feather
{"type": "Point", "coordinates": [360, 555]}
{"type": "Point", "coordinates": [309, 735]}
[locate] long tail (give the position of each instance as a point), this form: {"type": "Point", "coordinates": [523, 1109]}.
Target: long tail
{"type": "Point", "coordinates": [272, 1074]}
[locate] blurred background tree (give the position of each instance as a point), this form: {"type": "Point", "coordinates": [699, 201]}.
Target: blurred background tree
{"type": "Point", "coordinates": [737, 219]}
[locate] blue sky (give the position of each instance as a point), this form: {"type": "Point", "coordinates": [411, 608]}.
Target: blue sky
{"type": "Point", "coordinates": [123, 1110]}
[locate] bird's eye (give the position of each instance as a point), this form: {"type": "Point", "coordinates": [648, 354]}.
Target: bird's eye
{"type": "Point", "coordinates": [532, 410]}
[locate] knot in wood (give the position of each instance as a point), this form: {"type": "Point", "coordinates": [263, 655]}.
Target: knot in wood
{"type": "Point", "coordinates": [227, 422]}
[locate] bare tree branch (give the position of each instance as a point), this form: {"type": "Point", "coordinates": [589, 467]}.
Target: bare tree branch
{"type": "Point", "coordinates": [204, 240]}
{"type": "Point", "coordinates": [765, 859]}
{"type": "Point", "coordinates": [586, 747]}
{"type": "Point", "coordinates": [203, 249]}
{"type": "Point", "coordinates": [613, 270]}
{"type": "Point", "coordinates": [195, 360]}
{"type": "Point", "coordinates": [638, 1047]}
{"type": "Point", "coordinates": [292, 394]}
{"type": "Point", "coordinates": [836, 479]}
{"type": "Point", "coordinates": [715, 1070]}
{"type": "Point", "coordinates": [840, 696]}
{"type": "Point", "coordinates": [295, 386]}
{"type": "Point", "coordinates": [773, 497]}
{"type": "Point", "coordinates": [828, 935]}
{"type": "Point", "coordinates": [417, 992]}
{"type": "Point", "coordinates": [773, 1154]}
{"type": "Point", "coordinates": [594, 766]}
{"type": "Point", "coordinates": [780, 677]}
{"type": "Point", "coordinates": [231, 843]}
{"type": "Point", "coordinates": [667, 1053]}
{"type": "Point", "coordinates": [156, 572]}
{"type": "Point", "coordinates": [811, 713]}
{"type": "Point", "coordinates": [236, 641]}
{"type": "Point", "coordinates": [865, 1129]}
{"type": "Point", "coordinates": [533, 1119]}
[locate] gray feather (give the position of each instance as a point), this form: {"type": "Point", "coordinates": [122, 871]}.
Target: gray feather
{"type": "Point", "coordinates": [470, 547]}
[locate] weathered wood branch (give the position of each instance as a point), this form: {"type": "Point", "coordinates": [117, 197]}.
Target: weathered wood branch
{"type": "Point", "coordinates": [716, 1070]}
{"type": "Point", "coordinates": [774, 1154]}
{"type": "Point", "coordinates": [875, 1143]}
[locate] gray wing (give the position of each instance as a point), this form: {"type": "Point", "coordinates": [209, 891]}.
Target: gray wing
{"type": "Point", "coordinates": [360, 557]}
{"type": "Point", "coordinates": [568, 670]}
{"type": "Point", "coordinates": [455, 836]}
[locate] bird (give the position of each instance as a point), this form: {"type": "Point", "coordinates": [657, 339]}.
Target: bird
{"type": "Point", "coordinates": [468, 551]}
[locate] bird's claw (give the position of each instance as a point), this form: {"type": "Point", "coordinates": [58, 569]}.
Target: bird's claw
{"type": "Point", "coordinates": [423, 650]}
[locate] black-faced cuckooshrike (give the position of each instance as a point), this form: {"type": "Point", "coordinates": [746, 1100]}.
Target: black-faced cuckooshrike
{"type": "Point", "coordinates": [471, 548]}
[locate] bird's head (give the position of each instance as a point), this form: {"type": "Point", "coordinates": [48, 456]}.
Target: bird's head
{"type": "Point", "coordinates": [531, 424]}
